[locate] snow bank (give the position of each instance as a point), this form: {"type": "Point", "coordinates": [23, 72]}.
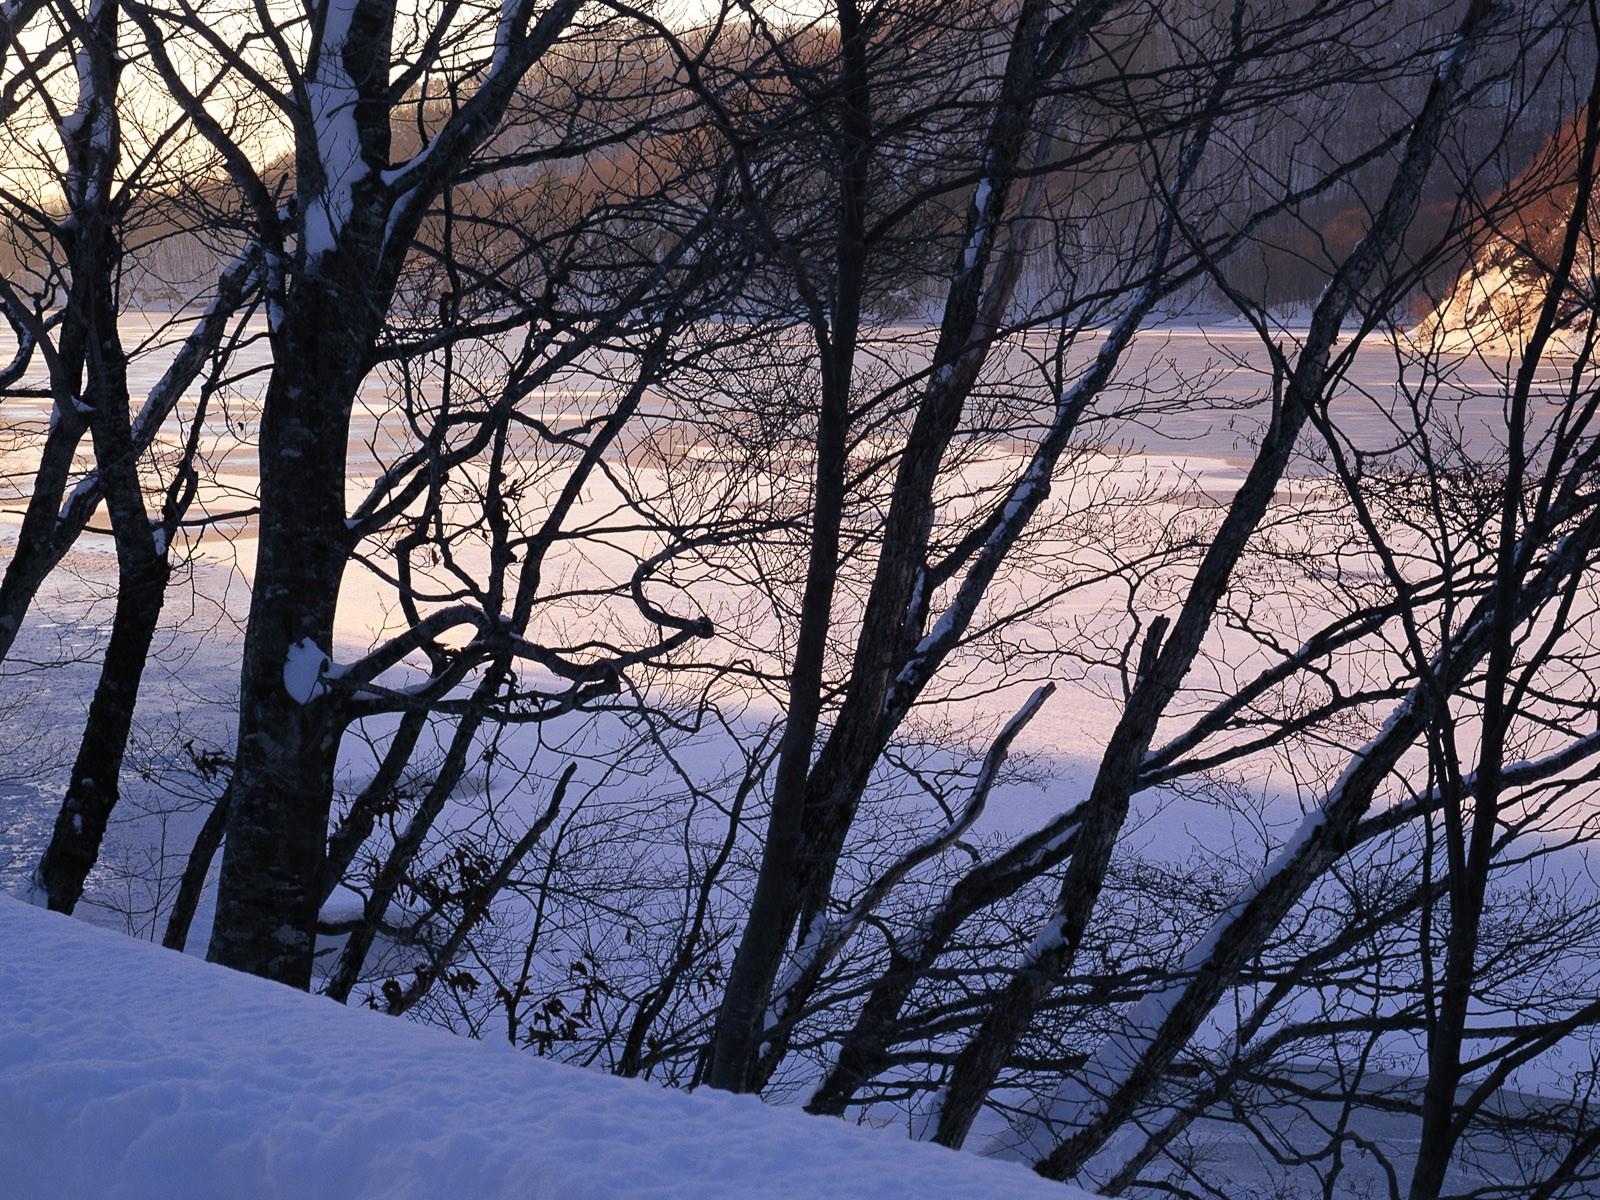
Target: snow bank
{"type": "Point", "coordinates": [129, 1071]}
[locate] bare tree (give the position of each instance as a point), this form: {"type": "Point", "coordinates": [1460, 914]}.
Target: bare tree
{"type": "Point", "coordinates": [859, 558]}
{"type": "Point", "coordinates": [74, 224]}
{"type": "Point", "coordinates": [334, 262]}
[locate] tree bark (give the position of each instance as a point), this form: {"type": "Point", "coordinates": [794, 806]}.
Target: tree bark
{"type": "Point", "coordinates": [268, 890]}
{"type": "Point", "coordinates": [195, 871]}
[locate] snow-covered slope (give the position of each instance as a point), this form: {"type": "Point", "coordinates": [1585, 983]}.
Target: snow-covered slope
{"type": "Point", "coordinates": [130, 1071]}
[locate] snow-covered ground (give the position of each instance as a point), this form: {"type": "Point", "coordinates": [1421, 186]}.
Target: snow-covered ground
{"type": "Point", "coordinates": [128, 1071]}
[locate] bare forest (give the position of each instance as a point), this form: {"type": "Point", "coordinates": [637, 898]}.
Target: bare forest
{"type": "Point", "coordinates": [1020, 571]}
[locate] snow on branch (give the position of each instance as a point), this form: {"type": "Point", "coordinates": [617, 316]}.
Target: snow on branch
{"type": "Point", "coordinates": [333, 97]}
{"type": "Point", "coordinates": [27, 341]}
{"type": "Point", "coordinates": [304, 669]}
{"type": "Point", "coordinates": [1523, 774]}
{"type": "Point", "coordinates": [1007, 522]}
{"type": "Point", "coordinates": [242, 277]}
{"type": "Point", "coordinates": [309, 673]}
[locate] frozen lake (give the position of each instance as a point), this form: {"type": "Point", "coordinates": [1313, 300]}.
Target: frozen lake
{"type": "Point", "coordinates": [1187, 404]}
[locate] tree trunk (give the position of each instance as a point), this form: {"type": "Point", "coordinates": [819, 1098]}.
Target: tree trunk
{"type": "Point", "coordinates": [194, 873]}
{"type": "Point", "coordinates": [268, 890]}
{"type": "Point", "coordinates": [93, 790]}
{"type": "Point", "coordinates": [741, 1019]}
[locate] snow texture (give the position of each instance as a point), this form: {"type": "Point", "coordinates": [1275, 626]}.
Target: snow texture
{"type": "Point", "coordinates": [1066, 833]}
{"type": "Point", "coordinates": [303, 669]}
{"type": "Point", "coordinates": [1049, 939]}
{"type": "Point", "coordinates": [818, 934]}
{"type": "Point", "coordinates": [332, 96]}
{"type": "Point", "coordinates": [102, 136]}
{"type": "Point", "coordinates": [504, 32]}
{"type": "Point", "coordinates": [129, 1072]}
{"type": "Point", "coordinates": [1033, 487]}
{"type": "Point", "coordinates": [88, 485]}
{"type": "Point", "coordinates": [980, 230]}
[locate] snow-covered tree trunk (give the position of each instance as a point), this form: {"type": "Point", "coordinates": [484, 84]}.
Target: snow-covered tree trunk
{"type": "Point", "coordinates": [289, 736]}
{"type": "Point", "coordinates": [323, 328]}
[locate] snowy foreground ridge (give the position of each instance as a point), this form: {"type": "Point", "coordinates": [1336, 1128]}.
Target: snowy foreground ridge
{"type": "Point", "coordinates": [130, 1071]}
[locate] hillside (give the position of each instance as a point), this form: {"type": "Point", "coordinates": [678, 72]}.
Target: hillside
{"type": "Point", "coordinates": [1495, 302]}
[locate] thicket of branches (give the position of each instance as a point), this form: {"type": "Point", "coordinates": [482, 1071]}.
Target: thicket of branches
{"type": "Point", "coordinates": [732, 421]}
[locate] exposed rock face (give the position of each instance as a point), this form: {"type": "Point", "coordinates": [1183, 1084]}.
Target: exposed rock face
{"type": "Point", "coordinates": [1494, 304]}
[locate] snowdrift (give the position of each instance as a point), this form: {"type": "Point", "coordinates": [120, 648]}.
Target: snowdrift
{"type": "Point", "coordinates": [128, 1071]}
